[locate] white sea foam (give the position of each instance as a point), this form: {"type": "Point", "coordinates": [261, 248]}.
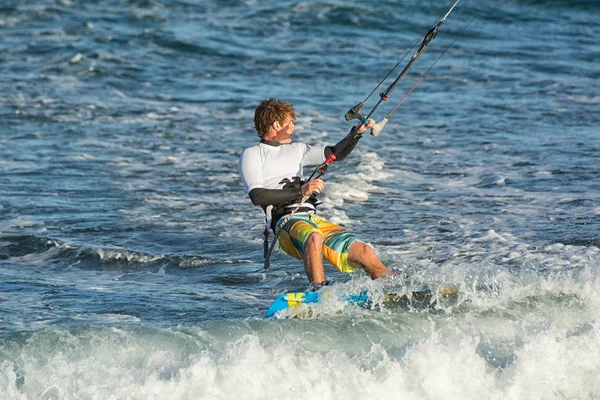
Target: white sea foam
{"type": "Point", "coordinates": [541, 353]}
{"type": "Point", "coordinates": [21, 222]}
{"type": "Point", "coordinates": [125, 255]}
{"type": "Point", "coordinates": [584, 99]}
{"type": "Point", "coordinates": [490, 236]}
{"type": "Point", "coordinates": [76, 58]}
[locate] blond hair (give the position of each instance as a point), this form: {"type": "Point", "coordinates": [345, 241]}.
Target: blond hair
{"type": "Point", "coordinates": [269, 111]}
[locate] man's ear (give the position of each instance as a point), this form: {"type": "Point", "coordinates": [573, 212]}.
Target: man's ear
{"type": "Point", "coordinates": [277, 126]}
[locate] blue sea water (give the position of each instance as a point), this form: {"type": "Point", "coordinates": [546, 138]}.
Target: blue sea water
{"type": "Point", "coordinates": [131, 258]}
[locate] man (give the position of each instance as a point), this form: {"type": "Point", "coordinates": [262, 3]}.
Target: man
{"type": "Point", "coordinates": [272, 172]}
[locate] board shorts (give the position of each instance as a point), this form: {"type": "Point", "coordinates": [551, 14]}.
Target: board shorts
{"type": "Point", "coordinates": [336, 241]}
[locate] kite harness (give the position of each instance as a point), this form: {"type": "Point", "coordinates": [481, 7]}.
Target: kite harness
{"type": "Point", "coordinates": [268, 249]}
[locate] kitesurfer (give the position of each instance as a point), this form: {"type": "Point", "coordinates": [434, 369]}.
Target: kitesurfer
{"type": "Point", "coordinates": [272, 173]}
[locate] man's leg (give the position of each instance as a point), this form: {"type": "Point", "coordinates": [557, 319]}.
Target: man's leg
{"type": "Point", "coordinates": [364, 255]}
{"type": "Point", "coordinates": [300, 238]}
{"type": "Point", "coordinates": [313, 258]}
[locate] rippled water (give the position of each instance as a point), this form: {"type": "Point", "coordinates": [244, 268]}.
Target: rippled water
{"type": "Point", "coordinates": [131, 258]}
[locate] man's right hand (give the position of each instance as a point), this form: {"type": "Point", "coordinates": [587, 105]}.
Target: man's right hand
{"type": "Point", "coordinates": [361, 128]}
{"type": "Point", "coordinates": [313, 186]}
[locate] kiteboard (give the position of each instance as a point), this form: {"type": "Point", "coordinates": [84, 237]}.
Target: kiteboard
{"type": "Point", "coordinates": [420, 299]}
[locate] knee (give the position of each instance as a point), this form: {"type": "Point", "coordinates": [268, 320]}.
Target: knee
{"type": "Point", "coordinates": [314, 240]}
{"type": "Point", "coordinates": [362, 251]}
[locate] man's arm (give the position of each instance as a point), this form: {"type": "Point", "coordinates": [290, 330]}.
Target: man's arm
{"type": "Point", "coordinates": [347, 144]}
{"type": "Point", "coordinates": [267, 197]}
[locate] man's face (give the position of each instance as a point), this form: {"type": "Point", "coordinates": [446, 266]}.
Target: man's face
{"type": "Point", "coordinates": [288, 125]}
{"type": "Point", "coordinates": [287, 128]}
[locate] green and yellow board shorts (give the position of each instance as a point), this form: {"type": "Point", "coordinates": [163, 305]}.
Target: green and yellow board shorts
{"type": "Point", "coordinates": [336, 241]}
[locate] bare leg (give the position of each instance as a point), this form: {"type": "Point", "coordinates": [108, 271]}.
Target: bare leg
{"type": "Point", "coordinates": [313, 258]}
{"type": "Point", "coordinates": [364, 255]}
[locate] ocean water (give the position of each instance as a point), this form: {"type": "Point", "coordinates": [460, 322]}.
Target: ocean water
{"type": "Point", "coordinates": [131, 258]}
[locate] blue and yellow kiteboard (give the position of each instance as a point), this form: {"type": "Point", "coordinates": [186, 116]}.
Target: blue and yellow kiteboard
{"type": "Point", "coordinates": [423, 298]}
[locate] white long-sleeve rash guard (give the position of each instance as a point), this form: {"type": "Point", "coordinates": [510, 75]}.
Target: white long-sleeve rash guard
{"type": "Point", "coordinates": [280, 166]}
{"type": "Point", "coordinates": [272, 172]}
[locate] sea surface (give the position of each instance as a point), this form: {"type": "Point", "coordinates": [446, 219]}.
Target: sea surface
{"type": "Point", "coordinates": [131, 261]}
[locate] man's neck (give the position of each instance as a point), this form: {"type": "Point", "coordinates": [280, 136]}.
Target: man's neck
{"type": "Point", "coordinates": [274, 138]}
{"type": "Point", "coordinates": [270, 142]}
